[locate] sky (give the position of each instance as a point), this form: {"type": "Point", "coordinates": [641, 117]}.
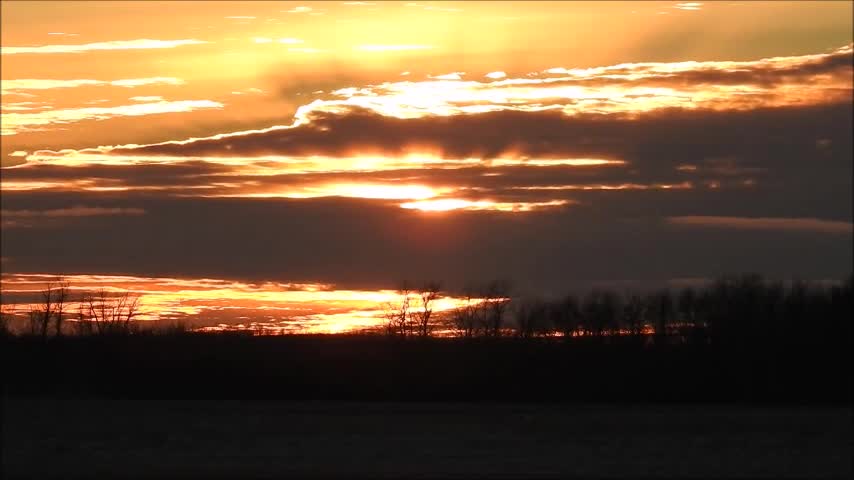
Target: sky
{"type": "Point", "coordinates": [301, 159]}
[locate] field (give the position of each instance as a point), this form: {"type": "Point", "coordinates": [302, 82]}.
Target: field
{"type": "Point", "coordinates": [219, 439]}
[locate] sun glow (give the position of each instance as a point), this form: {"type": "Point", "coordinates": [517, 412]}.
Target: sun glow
{"type": "Point", "coordinates": [448, 204]}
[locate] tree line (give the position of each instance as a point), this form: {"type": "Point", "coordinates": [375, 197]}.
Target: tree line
{"type": "Point", "coordinates": [741, 309]}
{"type": "Point", "coordinates": [100, 312]}
{"type": "Point", "coordinates": [732, 309]}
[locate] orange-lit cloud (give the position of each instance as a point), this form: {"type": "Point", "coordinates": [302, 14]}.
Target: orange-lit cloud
{"type": "Point", "coordinates": [392, 48]}
{"type": "Point", "coordinates": [448, 204]}
{"type": "Point", "coordinates": [690, 6]}
{"type": "Point", "coordinates": [14, 123]}
{"type": "Point", "coordinates": [15, 86]}
{"type": "Point", "coordinates": [300, 9]}
{"type": "Point", "coordinates": [111, 45]}
{"type": "Point", "coordinates": [221, 304]}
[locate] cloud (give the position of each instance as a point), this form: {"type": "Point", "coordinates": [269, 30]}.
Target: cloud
{"type": "Point", "coordinates": [76, 211]}
{"type": "Point", "coordinates": [433, 7]}
{"type": "Point", "coordinates": [358, 4]}
{"type": "Point", "coordinates": [15, 86]}
{"type": "Point", "coordinates": [222, 304]}
{"type": "Point", "coordinates": [566, 170]}
{"type": "Point", "coordinates": [147, 98]}
{"type": "Point", "coordinates": [14, 123]}
{"type": "Point", "coordinates": [305, 50]}
{"type": "Point", "coordinates": [495, 75]}
{"type": "Point", "coordinates": [111, 45]}
{"type": "Point", "coordinates": [24, 106]}
{"type": "Point", "coordinates": [446, 204]}
{"type": "Point", "coordinates": [241, 17]}
{"type": "Point", "coordinates": [538, 134]}
{"type": "Point", "coordinates": [298, 10]}
{"type": "Point", "coordinates": [392, 48]}
{"type": "Point", "coordinates": [43, 218]}
{"type": "Point", "coordinates": [688, 6]}
{"type": "Point", "coordinates": [448, 76]}
{"type": "Point", "coordinates": [765, 223]}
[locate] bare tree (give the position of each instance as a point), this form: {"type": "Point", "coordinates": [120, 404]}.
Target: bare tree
{"type": "Point", "coordinates": [633, 314]}
{"type": "Point", "coordinates": [60, 299]}
{"type": "Point", "coordinates": [566, 315]}
{"type": "Point", "coordinates": [531, 318]}
{"type": "Point", "coordinates": [661, 312]}
{"type": "Point", "coordinates": [111, 315]}
{"type": "Point", "coordinates": [428, 293]}
{"type": "Point", "coordinates": [46, 312]}
{"type": "Point", "coordinates": [83, 326]}
{"type": "Point", "coordinates": [465, 317]}
{"type": "Point", "coordinates": [34, 318]}
{"type": "Point", "coordinates": [601, 309]}
{"type": "Point", "coordinates": [398, 315]}
{"type": "Point", "coordinates": [496, 299]}
{"type": "Point", "coordinates": [6, 314]}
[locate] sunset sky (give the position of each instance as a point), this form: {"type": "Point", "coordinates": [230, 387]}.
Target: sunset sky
{"type": "Point", "coordinates": [302, 158]}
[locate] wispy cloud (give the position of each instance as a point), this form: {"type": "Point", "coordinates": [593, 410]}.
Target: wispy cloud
{"type": "Point", "coordinates": [286, 41]}
{"type": "Point", "coordinates": [688, 6]}
{"type": "Point", "coordinates": [449, 76]}
{"type": "Point", "coordinates": [147, 98]}
{"type": "Point", "coordinates": [140, 44]}
{"type": "Point", "coordinates": [392, 48]}
{"type": "Point", "coordinates": [433, 7]}
{"type": "Point", "coordinates": [298, 10]}
{"type": "Point", "coordinates": [76, 211]}
{"type": "Point", "coordinates": [14, 86]}
{"type": "Point", "coordinates": [240, 17]}
{"type": "Point", "coordinates": [14, 123]}
{"type": "Point", "coordinates": [24, 106]}
{"type": "Point", "coordinates": [43, 218]}
{"type": "Point", "coordinates": [305, 50]}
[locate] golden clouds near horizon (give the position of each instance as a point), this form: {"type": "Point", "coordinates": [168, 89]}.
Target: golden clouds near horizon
{"type": "Point", "coordinates": [213, 304]}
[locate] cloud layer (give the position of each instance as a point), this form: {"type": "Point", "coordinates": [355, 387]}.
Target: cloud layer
{"type": "Point", "coordinates": [631, 172]}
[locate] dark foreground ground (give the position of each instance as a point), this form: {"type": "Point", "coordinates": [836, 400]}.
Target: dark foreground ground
{"type": "Point", "coordinates": [98, 438]}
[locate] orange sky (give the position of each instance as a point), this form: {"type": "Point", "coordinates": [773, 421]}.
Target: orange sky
{"type": "Point", "coordinates": [227, 67]}
{"type": "Point", "coordinates": [356, 144]}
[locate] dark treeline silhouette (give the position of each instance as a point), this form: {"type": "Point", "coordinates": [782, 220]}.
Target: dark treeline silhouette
{"type": "Point", "coordinates": [738, 339]}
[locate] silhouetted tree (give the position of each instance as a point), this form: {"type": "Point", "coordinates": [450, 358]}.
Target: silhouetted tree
{"type": "Point", "coordinates": [531, 318]}
{"type": "Point", "coordinates": [427, 294]}
{"type": "Point", "coordinates": [398, 314]}
{"type": "Point", "coordinates": [660, 307]}
{"type": "Point", "coordinates": [6, 314]}
{"type": "Point", "coordinates": [601, 308]}
{"type": "Point", "coordinates": [566, 315]}
{"type": "Point", "coordinates": [465, 317]}
{"type": "Point", "coordinates": [496, 298]}
{"type": "Point", "coordinates": [60, 300]}
{"type": "Point", "coordinates": [633, 314]}
{"type": "Point", "coordinates": [111, 315]}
